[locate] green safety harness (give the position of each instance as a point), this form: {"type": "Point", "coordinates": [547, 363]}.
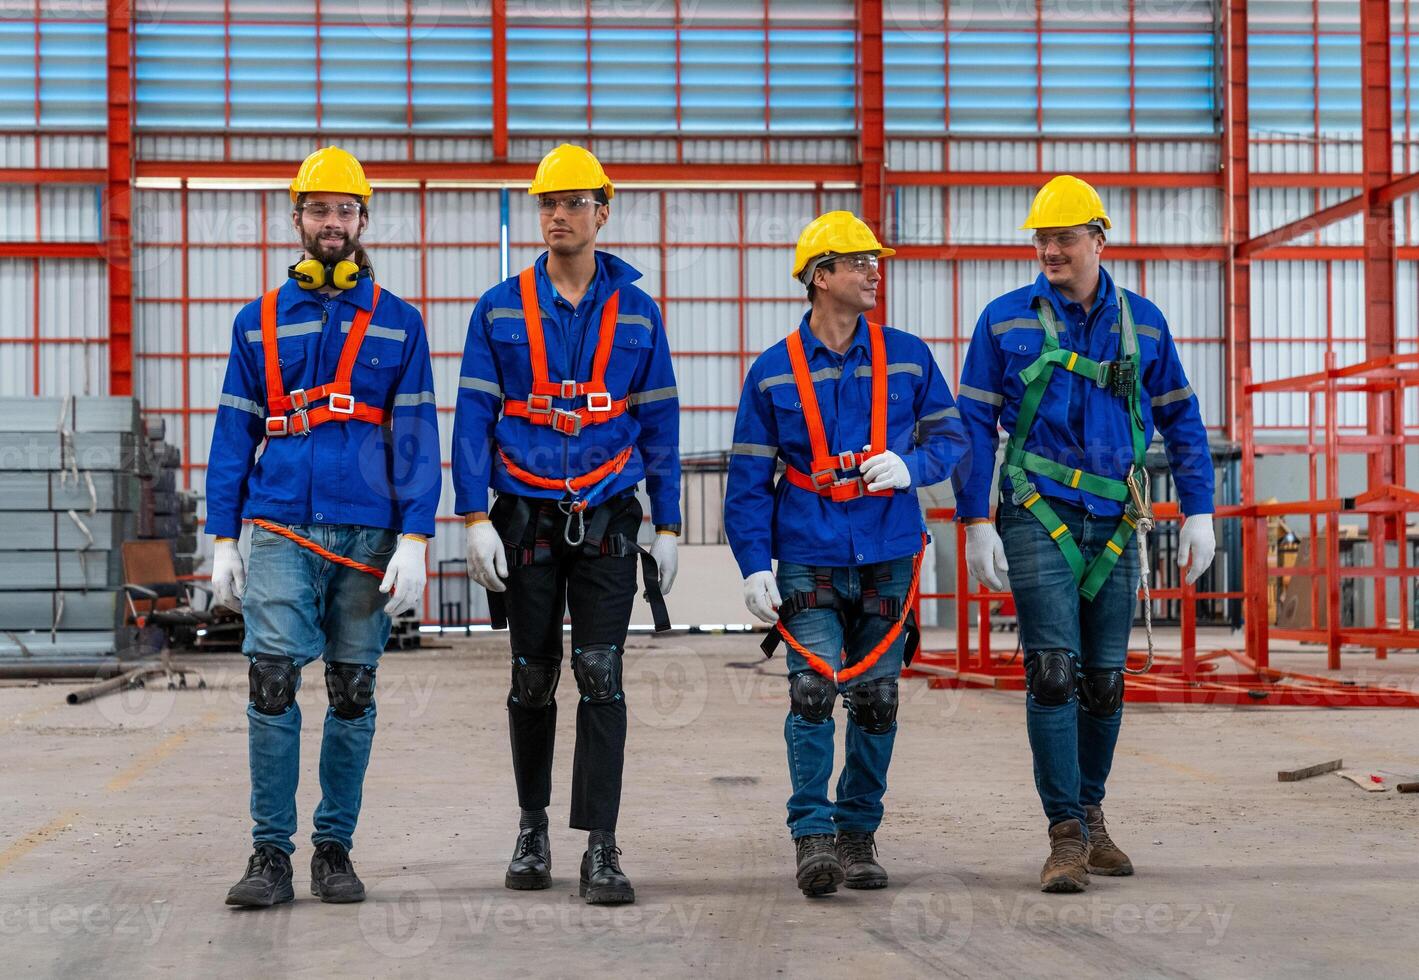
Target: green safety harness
{"type": "Point", "coordinates": [1122, 376]}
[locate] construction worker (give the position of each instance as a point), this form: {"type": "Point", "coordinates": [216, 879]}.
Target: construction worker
{"type": "Point", "coordinates": [1077, 371]}
{"type": "Point", "coordinates": [567, 400]}
{"type": "Point", "coordinates": [861, 417]}
{"type": "Point", "coordinates": [329, 378]}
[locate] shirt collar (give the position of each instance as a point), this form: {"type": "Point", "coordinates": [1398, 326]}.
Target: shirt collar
{"type": "Point", "coordinates": [608, 268]}
{"type": "Point", "coordinates": [811, 343]}
{"type": "Point", "coordinates": [291, 295]}
{"type": "Point", "coordinates": [1107, 295]}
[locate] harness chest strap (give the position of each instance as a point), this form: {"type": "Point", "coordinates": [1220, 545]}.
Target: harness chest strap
{"type": "Point", "coordinates": [538, 408]}
{"type": "Point", "coordinates": [341, 405]}
{"type": "Point", "coordinates": [826, 479]}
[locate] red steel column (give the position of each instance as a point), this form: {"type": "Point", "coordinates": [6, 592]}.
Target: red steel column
{"type": "Point", "coordinates": [500, 80]}
{"type": "Point", "coordinates": [118, 198]}
{"type": "Point", "coordinates": [872, 148]}
{"type": "Point", "coordinates": [1379, 246]}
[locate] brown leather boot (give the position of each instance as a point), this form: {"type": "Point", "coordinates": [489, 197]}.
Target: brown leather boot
{"type": "Point", "coordinates": [1105, 858]}
{"type": "Point", "coordinates": [1064, 869]}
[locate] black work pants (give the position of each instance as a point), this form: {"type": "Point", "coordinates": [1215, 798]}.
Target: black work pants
{"type": "Point", "coordinates": [546, 578]}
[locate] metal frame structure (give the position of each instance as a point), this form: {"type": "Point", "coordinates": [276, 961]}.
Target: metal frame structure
{"type": "Point", "coordinates": [868, 171]}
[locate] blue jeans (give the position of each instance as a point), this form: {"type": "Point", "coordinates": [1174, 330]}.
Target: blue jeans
{"type": "Point", "coordinates": [302, 606]}
{"type": "Point", "coordinates": [1073, 749]}
{"type": "Point", "coordinates": [863, 781]}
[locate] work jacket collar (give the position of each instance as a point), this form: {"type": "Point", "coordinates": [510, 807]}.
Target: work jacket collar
{"type": "Point", "coordinates": [811, 343]}
{"type": "Point", "coordinates": [291, 295]}
{"type": "Point", "coordinates": [1044, 290]}
{"type": "Point", "coordinates": [611, 274]}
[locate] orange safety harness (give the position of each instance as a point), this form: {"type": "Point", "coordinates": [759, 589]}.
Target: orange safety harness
{"type": "Point", "coordinates": [292, 414]}
{"type": "Point", "coordinates": [539, 410]}
{"type": "Point", "coordinates": [827, 467]}
{"type": "Point", "coordinates": [826, 480]}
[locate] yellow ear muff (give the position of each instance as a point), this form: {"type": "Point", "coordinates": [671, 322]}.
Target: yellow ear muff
{"type": "Point", "coordinates": [345, 274]}
{"type": "Point", "coordinates": [309, 273]}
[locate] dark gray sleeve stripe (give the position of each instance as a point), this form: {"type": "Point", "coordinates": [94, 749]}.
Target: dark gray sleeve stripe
{"type": "Point", "coordinates": [478, 384]}
{"type": "Point", "coordinates": [754, 449]}
{"type": "Point", "coordinates": [981, 395]}
{"type": "Point", "coordinates": [1176, 395]}
{"type": "Point", "coordinates": [242, 404]}
{"type": "Point", "coordinates": [410, 399]}
{"type": "Point", "coordinates": [1019, 323]}
{"type": "Point", "coordinates": [635, 319]}
{"type": "Point", "coordinates": [946, 413]}
{"type": "Point", "coordinates": [654, 395]}
{"type": "Point", "coordinates": [286, 330]}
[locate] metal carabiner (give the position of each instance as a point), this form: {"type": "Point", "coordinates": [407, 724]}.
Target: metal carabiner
{"type": "Point", "coordinates": [1141, 494]}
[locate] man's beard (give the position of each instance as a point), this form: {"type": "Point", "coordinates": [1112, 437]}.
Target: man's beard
{"type": "Point", "coordinates": [329, 253]}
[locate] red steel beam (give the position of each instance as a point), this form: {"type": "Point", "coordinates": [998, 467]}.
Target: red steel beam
{"type": "Point", "coordinates": [1026, 253]}
{"type": "Point", "coordinates": [1378, 198]}
{"type": "Point", "coordinates": [670, 173]}
{"type": "Point", "coordinates": [52, 250]}
{"type": "Point", "coordinates": [118, 198]}
{"type": "Point", "coordinates": [989, 178]}
{"type": "Point", "coordinates": [51, 175]}
{"type": "Point", "coordinates": [872, 147]}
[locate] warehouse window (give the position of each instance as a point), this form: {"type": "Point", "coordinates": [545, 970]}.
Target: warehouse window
{"type": "Point", "coordinates": [53, 74]}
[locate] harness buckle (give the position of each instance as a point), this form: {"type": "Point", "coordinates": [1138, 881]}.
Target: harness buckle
{"type": "Point", "coordinates": [539, 405]}
{"type": "Point", "coordinates": [298, 398]}
{"type": "Point", "coordinates": [276, 426]}
{"type": "Point", "coordinates": [824, 478]}
{"type": "Point", "coordinates": [342, 404]}
{"type": "Point", "coordinates": [1018, 497]}
{"type": "Point", "coordinates": [565, 422]}
{"type": "Point", "coordinates": [847, 460]}
{"type": "Point", "coordinates": [568, 387]}
{"type": "Point", "coordinates": [300, 423]}
{"type": "Point", "coordinates": [1105, 376]}
{"type": "Point", "coordinates": [598, 401]}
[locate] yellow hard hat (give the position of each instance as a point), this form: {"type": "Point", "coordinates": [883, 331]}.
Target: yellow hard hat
{"type": "Point", "coordinates": [835, 233]}
{"type": "Point", "coordinates": [571, 168]}
{"type": "Point", "coordinates": [1064, 202]}
{"type": "Point", "coordinates": [332, 170]}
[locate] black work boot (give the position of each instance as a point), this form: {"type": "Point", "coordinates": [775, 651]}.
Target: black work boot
{"type": "Point", "coordinates": [531, 866]}
{"type": "Point", "coordinates": [819, 869]}
{"type": "Point", "coordinates": [332, 876]}
{"type": "Point", "coordinates": [267, 880]}
{"type": "Point", "coordinates": [856, 850]}
{"type": "Point", "coordinates": [602, 880]}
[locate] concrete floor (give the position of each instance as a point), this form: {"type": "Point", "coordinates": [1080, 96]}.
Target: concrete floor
{"type": "Point", "coordinates": [124, 822]}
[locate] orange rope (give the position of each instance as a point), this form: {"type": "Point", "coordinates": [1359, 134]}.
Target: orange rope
{"type": "Point", "coordinates": [310, 545]}
{"type": "Point", "coordinates": [865, 664]}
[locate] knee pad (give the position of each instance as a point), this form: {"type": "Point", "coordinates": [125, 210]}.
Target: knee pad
{"type": "Point", "coordinates": [350, 688]}
{"type": "Point", "coordinates": [1049, 675]}
{"type": "Point", "coordinates": [811, 696]}
{"type": "Point", "coordinates": [533, 685]}
{"type": "Point", "coordinates": [873, 705]}
{"type": "Point", "coordinates": [1101, 692]}
{"type": "Point", "coordinates": [273, 680]}
{"type": "Point", "coordinates": [598, 672]}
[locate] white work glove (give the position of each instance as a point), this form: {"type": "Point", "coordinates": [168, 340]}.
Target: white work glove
{"type": "Point", "coordinates": [487, 561]}
{"type": "Point", "coordinates": [666, 553]}
{"type": "Point", "coordinates": [228, 575]}
{"type": "Point", "coordinates": [885, 471]}
{"type": "Point", "coordinates": [761, 596]}
{"type": "Point", "coordinates": [985, 555]}
{"type": "Point", "coordinates": [405, 576]}
{"type": "Point", "coordinates": [1197, 541]}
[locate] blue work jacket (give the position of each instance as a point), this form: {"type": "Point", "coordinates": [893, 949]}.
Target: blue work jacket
{"type": "Point", "coordinates": [351, 472]}
{"type": "Point", "coordinates": [497, 366]}
{"type": "Point", "coordinates": [1078, 424]}
{"type": "Point", "coordinates": [764, 520]}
